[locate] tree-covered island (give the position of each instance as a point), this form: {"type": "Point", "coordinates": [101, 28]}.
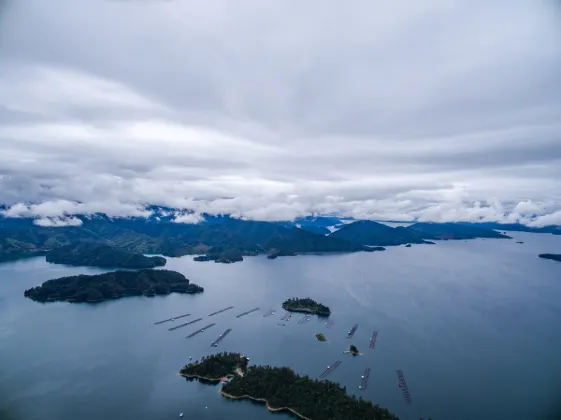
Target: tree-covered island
{"type": "Point", "coordinates": [113, 285]}
{"type": "Point", "coordinates": [353, 350]}
{"type": "Point", "coordinates": [321, 337]}
{"type": "Point", "coordinates": [281, 389]}
{"type": "Point", "coordinates": [306, 305]}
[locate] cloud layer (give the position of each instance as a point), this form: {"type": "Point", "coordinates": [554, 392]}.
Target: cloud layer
{"type": "Point", "coordinates": [437, 110]}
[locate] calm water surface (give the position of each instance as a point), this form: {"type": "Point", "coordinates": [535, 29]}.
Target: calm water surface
{"type": "Point", "coordinates": [475, 327]}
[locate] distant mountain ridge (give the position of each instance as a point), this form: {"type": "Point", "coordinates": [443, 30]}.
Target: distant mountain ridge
{"type": "Point", "coordinates": [366, 232]}
{"type": "Point", "coordinates": [223, 238]}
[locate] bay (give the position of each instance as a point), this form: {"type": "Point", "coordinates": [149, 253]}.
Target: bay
{"type": "Point", "coordinates": [473, 325]}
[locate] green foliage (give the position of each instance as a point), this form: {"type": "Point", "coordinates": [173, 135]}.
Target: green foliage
{"type": "Point", "coordinates": [101, 255]}
{"type": "Point", "coordinates": [306, 305]}
{"type": "Point", "coordinates": [321, 337]}
{"type": "Point", "coordinates": [315, 399]}
{"type": "Point", "coordinates": [216, 366]}
{"type": "Point", "coordinates": [353, 349]}
{"type": "Point", "coordinates": [113, 285]}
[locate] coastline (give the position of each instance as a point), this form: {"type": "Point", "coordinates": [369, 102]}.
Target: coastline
{"type": "Point", "coordinates": [204, 378]}
{"type": "Point", "coordinates": [263, 400]}
{"type": "Point", "coordinates": [305, 310]}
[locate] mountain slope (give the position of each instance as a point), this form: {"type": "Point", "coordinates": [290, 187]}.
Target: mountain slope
{"type": "Point", "coordinates": [517, 227]}
{"type": "Point", "coordinates": [366, 232]}
{"type": "Point", "coordinates": [454, 231]}
{"type": "Point", "coordinates": [224, 237]}
{"type": "Point", "coordinates": [300, 240]}
{"type": "Point", "coordinates": [101, 255]}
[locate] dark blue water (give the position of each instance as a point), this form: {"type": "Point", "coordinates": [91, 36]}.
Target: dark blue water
{"type": "Point", "coordinates": [475, 327]}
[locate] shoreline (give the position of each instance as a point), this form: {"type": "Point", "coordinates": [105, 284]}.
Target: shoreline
{"type": "Point", "coordinates": [199, 377]}
{"type": "Point", "coordinates": [263, 400]}
{"type": "Point", "coordinates": [306, 310]}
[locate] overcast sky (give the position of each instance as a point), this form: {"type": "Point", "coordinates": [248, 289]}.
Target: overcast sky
{"type": "Point", "coordinates": [385, 109]}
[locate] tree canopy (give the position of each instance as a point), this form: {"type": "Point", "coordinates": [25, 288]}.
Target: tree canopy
{"type": "Point", "coordinates": [306, 305]}
{"type": "Point", "coordinates": [216, 366]}
{"type": "Point", "coordinates": [315, 399]}
{"type": "Point", "coordinates": [113, 285]}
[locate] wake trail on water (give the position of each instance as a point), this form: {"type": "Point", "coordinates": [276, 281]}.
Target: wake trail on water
{"type": "Point", "coordinates": [362, 302]}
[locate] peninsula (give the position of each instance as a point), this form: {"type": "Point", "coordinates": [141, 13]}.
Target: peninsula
{"type": "Point", "coordinates": [281, 389]}
{"type": "Point", "coordinates": [306, 305]}
{"type": "Point", "coordinates": [554, 257]}
{"type": "Point", "coordinates": [224, 256]}
{"type": "Point", "coordinates": [215, 367]}
{"type": "Point", "coordinates": [113, 285]}
{"type": "Point", "coordinates": [101, 255]}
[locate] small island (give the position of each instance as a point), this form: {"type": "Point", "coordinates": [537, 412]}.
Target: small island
{"type": "Point", "coordinates": [353, 350]}
{"type": "Point", "coordinates": [113, 285]}
{"type": "Point", "coordinates": [101, 255]}
{"type": "Point", "coordinates": [321, 337]}
{"type": "Point", "coordinates": [306, 305]}
{"type": "Point", "coordinates": [554, 257]}
{"type": "Point", "coordinates": [224, 256]}
{"type": "Point", "coordinates": [281, 389]}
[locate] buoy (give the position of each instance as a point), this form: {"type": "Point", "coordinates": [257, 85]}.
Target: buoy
{"type": "Point", "coordinates": [180, 414]}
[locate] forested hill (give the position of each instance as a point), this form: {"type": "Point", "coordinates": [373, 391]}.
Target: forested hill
{"type": "Point", "coordinates": [455, 231]}
{"type": "Point", "coordinates": [517, 227]}
{"type": "Point", "coordinates": [97, 254]}
{"type": "Point", "coordinates": [367, 232]}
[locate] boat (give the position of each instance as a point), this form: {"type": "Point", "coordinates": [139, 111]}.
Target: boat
{"type": "Point", "coordinates": [180, 414]}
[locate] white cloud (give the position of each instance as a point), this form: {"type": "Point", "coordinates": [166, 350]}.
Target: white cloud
{"type": "Point", "coordinates": [547, 220]}
{"type": "Point", "coordinates": [188, 218]}
{"type": "Point", "coordinates": [57, 221]}
{"type": "Point", "coordinates": [64, 208]}
{"type": "Point", "coordinates": [383, 110]}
